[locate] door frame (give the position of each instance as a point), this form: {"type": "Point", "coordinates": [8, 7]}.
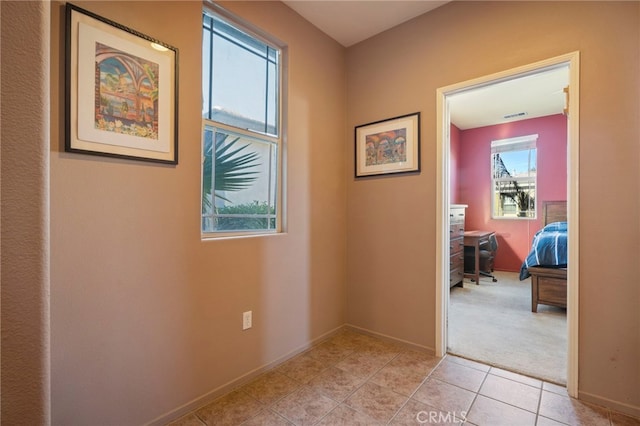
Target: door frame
{"type": "Point", "coordinates": [443, 153]}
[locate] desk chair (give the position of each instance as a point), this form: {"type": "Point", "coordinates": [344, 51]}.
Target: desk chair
{"type": "Point", "coordinates": [487, 256]}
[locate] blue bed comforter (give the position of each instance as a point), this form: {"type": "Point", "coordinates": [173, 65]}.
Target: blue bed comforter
{"type": "Point", "coordinates": [548, 249]}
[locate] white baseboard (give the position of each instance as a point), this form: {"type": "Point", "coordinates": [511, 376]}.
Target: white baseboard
{"type": "Point", "coordinates": [620, 407]}
{"type": "Point", "coordinates": [209, 397]}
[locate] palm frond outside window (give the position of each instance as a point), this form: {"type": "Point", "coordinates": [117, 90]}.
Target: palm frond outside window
{"type": "Point", "coordinates": [241, 155]}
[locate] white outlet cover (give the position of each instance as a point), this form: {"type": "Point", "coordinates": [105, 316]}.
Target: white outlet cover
{"type": "Point", "coordinates": [246, 320]}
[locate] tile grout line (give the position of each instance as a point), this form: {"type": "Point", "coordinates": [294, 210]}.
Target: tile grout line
{"type": "Point", "coordinates": [539, 402]}
{"type": "Point", "coordinates": [476, 395]}
{"type": "Point", "coordinates": [416, 389]}
{"type": "Point", "coordinates": [365, 381]}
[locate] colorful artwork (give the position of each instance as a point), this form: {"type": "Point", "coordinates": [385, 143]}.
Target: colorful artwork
{"type": "Point", "coordinates": [126, 96]}
{"type": "Point", "coordinates": [386, 147]}
{"type": "Point", "coordinates": [121, 101]}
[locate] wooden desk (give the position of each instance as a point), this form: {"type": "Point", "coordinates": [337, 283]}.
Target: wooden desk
{"type": "Point", "coordinates": [476, 239]}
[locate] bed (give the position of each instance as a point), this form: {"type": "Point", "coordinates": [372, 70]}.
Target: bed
{"type": "Point", "coordinates": [546, 263]}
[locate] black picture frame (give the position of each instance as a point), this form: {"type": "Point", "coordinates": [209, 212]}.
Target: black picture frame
{"type": "Point", "coordinates": [390, 146]}
{"type": "Point", "coordinates": [121, 94]}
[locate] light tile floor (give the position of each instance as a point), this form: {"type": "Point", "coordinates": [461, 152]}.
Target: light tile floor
{"type": "Point", "coordinates": [355, 379]}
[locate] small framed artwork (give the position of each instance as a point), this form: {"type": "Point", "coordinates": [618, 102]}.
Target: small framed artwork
{"type": "Point", "coordinates": [121, 91]}
{"type": "Point", "coordinates": [388, 146]}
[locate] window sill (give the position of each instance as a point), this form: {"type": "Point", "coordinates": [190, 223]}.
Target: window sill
{"type": "Point", "coordinates": [217, 236]}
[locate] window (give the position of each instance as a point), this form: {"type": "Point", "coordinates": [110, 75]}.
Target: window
{"type": "Point", "coordinates": [242, 136]}
{"type": "Point", "coordinates": [513, 171]}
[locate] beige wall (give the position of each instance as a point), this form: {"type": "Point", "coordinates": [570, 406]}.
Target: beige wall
{"type": "Point", "coordinates": [391, 221]}
{"type": "Point", "coordinates": [145, 316]}
{"type": "Point", "coordinates": [25, 213]}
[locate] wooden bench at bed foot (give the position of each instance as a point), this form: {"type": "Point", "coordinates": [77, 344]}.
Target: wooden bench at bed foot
{"type": "Point", "coordinates": [548, 286]}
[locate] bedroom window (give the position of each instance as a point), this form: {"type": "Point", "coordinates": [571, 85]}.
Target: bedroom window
{"type": "Point", "coordinates": [513, 171]}
{"type": "Point", "coordinates": [241, 130]}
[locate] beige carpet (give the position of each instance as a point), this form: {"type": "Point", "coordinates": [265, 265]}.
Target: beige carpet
{"type": "Point", "coordinates": [493, 323]}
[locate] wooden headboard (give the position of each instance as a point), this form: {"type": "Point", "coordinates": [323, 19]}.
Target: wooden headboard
{"type": "Point", "coordinates": [555, 211]}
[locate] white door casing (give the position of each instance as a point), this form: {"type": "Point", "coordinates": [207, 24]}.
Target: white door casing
{"type": "Point", "coordinates": [572, 60]}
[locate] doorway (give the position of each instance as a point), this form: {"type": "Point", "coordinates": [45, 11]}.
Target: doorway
{"type": "Point", "coordinates": [444, 95]}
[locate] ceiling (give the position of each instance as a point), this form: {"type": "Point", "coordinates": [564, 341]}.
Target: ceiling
{"type": "Point", "coordinates": [350, 22]}
{"type": "Point", "coordinates": [530, 96]}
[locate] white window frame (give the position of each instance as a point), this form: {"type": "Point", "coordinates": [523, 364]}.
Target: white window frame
{"type": "Point", "coordinates": [278, 140]}
{"type": "Point", "coordinates": [520, 143]}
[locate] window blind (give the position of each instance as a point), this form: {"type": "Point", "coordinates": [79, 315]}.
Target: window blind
{"type": "Point", "coordinates": [514, 144]}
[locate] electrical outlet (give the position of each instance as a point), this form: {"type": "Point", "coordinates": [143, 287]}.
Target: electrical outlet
{"type": "Point", "coordinates": [246, 320]}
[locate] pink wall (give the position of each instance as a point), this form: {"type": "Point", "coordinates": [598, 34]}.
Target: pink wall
{"type": "Point", "coordinates": [454, 137]}
{"type": "Point", "coordinates": [474, 181]}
